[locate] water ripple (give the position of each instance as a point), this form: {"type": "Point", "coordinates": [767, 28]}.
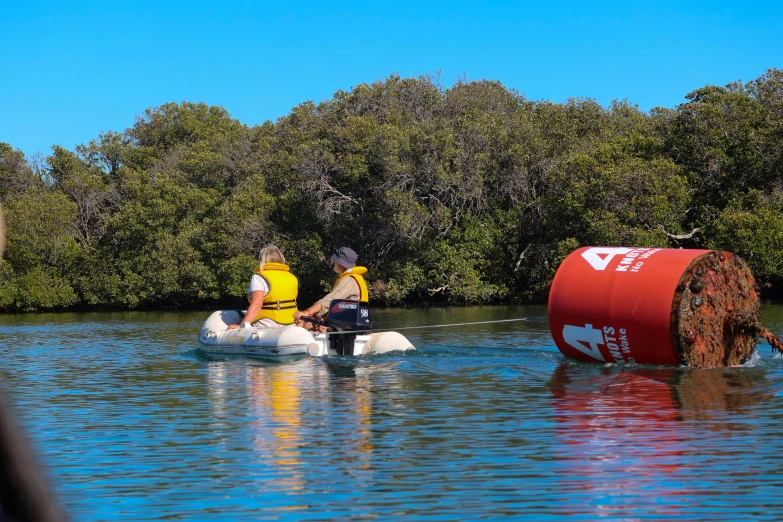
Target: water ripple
{"type": "Point", "coordinates": [133, 423]}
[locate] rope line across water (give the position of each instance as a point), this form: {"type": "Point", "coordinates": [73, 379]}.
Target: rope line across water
{"type": "Point", "coordinates": [433, 326]}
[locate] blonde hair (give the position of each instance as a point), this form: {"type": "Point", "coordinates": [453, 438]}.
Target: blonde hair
{"type": "Point", "coordinates": [270, 254]}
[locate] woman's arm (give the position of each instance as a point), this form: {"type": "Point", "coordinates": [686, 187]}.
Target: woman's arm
{"type": "Point", "coordinates": [256, 302]}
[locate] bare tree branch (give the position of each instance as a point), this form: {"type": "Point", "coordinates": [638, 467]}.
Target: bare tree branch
{"type": "Point", "coordinates": [521, 257]}
{"type": "Point", "coordinates": [433, 291]}
{"type": "Point", "coordinates": [679, 236]}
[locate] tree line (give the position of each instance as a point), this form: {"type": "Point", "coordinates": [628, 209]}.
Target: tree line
{"type": "Point", "coordinates": [468, 194]}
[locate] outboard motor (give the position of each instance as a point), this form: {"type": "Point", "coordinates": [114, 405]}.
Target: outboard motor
{"type": "Point", "coordinates": [344, 316]}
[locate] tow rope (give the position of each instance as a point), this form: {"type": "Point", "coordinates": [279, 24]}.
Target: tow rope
{"type": "Point", "coordinates": [432, 326]}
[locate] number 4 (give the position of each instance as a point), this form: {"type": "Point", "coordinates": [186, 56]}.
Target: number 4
{"type": "Point", "coordinates": [599, 257]}
{"type": "Point", "coordinates": [576, 336]}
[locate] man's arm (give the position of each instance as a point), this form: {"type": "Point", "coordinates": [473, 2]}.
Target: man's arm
{"type": "Point", "coordinates": [347, 288]}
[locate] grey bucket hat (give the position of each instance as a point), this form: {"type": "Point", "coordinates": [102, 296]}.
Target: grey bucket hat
{"type": "Point", "coordinates": [345, 257]}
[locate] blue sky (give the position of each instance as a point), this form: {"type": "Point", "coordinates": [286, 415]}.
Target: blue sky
{"type": "Point", "coordinates": [70, 72]}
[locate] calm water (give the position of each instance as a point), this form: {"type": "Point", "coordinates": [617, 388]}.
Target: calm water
{"type": "Point", "coordinates": [483, 422]}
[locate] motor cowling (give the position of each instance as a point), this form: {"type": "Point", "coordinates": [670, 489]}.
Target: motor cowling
{"type": "Point", "coordinates": [345, 316]}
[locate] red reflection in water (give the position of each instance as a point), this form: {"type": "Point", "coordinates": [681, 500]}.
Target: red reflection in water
{"type": "Point", "coordinates": [627, 436]}
{"type": "Point", "coordinates": [621, 440]}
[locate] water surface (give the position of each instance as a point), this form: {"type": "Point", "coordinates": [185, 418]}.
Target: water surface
{"type": "Point", "coordinates": [482, 422]}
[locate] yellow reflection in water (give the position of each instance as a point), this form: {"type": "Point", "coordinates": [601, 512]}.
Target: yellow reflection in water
{"type": "Point", "coordinates": [336, 401]}
{"type": "Point", "coordinates": [275, 398]}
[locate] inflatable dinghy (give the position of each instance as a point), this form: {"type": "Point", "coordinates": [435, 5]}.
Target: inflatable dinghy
{"type": "Point", "coordinates": [346, 325]}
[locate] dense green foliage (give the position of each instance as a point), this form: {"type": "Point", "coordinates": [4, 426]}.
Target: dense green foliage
{"type": "Point", "coordinates": [470, 194]}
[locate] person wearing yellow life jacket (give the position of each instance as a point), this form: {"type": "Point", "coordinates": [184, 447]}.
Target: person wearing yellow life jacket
{"type": "Point", "coordinates": [271, 294]}
{"type": "Point", "coordinates": [350, 284]}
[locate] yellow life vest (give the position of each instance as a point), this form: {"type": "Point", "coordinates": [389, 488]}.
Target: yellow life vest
{"type": "Point", "coordinates": [356, 273]}
{"type": "Point", "coordinates": [280, 302]}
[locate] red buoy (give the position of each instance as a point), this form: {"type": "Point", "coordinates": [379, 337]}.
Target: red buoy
{"type": "Point", "coordinates": [654, 306]}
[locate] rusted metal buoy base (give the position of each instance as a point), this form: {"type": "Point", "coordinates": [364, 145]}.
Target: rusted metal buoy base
{"type": "Point", "coordinates": [716, 312]}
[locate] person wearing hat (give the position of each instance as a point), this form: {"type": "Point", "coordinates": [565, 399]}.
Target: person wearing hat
{"type": "Point", "coordinates": [349, 285]}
